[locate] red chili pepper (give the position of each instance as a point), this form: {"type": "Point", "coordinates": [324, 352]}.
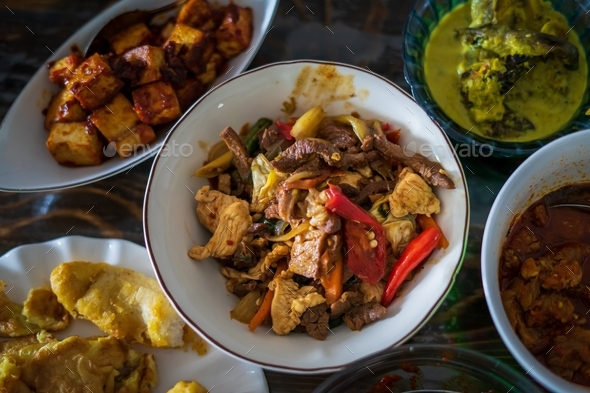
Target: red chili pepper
{"type": "Point", "coordinates": [413, 254]}
{"type": "Point", "coordinates": [367, 262]}
{"type": "Point", "coordinates": [392, 135]}
{"type": "Point", "coordinates": [385, 127]}
{"type": "Point", "coordinates": [285, 130]}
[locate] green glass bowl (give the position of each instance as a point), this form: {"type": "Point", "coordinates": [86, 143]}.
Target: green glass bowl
{"type": "Point", "coordinates": [425, 16]}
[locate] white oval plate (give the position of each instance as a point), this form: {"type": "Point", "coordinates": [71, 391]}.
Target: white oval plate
{"type": "Point", "coordinates": [30, 266]}
{"type": "Point", "coordinates": [172, 228]}
{"type": "Point", "coordinates": [25, 163]}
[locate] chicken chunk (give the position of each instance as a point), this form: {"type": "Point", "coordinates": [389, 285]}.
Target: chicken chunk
{"type": "Point", "coordinates": [536, 340]}
{"type": "Point", "coordinates": [211, 204]}
{"type": "Point", "coordinates": [290, 302]}
{"type": "Point", "coordinates": [558, 269]}
{"type": "Point", "coordinates": [121, 302]}
{"type": "Point", "coordinates": [570, 353]}
{"type": "Point", "coordinates": [412, 195]}
{"type": "Point", "coordinates": [234, 221]}
{"type": "Point", "coordinates": [549, 308]}
{"type": "Point", "coordinates": [41, 311]}
{"type": "Point", "coordinates": [399, 232]}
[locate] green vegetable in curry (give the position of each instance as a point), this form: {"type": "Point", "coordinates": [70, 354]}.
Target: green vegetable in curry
{"type": "Point", "coordinates": [506, 69]}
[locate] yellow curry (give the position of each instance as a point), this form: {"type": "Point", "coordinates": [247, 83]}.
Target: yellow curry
{"type": "Point", "coordinates": [506, 70]}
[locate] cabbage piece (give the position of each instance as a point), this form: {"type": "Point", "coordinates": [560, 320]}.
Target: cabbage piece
{"type": "Point", "coordinates": [264, 183]}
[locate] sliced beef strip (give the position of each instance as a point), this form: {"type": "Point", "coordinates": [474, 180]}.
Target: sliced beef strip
{"type": "Point", "coordinates": [298, 153]}
{"type": "Point", "coordinates": [287, 200]}
{"type": "Point", "coordinates": [341, 136]}
{"type": "Point", "coordinates": [348, 190]}
{"type": "Point", "coordinates": [235, 144]}
{"type": "Point", "coordinates": [272, 211]}
{"type": "Point", "coordinates": [431, 171]}
{"type": "Point", "coordinates": [269, 137]}
{"type": "Point", "coordinates": [257, 228]}
{"type": "Point", "coordinates": [315, 320]}
{"type": "Point", "coordinates": [347, 301]}
{"type": "Point", "coordinates": [373, 188]}
{"type": "Point", "coordinates": [306, 253]}
{"type": "Point", "coordinates": [224, 183]}
{"type": "Point", "coordinates": [243, 257]}
{"type": "Point", "coordinates": [242, 289]}
{"type": "Point", "coordinates": [361, 315]}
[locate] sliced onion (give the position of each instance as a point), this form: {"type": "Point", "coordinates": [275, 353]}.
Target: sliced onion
{"type": "Point", "coordinates": [246, 308]}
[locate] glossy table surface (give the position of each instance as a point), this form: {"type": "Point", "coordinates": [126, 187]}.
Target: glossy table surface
{"type": "Point", "coordinates": [365, 33]}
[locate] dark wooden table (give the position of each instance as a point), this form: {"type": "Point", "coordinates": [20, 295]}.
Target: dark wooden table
{"type": "Point", "coordinates": [366, 33]}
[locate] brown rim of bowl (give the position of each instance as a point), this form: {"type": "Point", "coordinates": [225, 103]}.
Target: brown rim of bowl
{"type": "Point", "coordinates": [193, 325]}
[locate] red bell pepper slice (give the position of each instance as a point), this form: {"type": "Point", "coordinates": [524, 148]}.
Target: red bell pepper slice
{"type": "Point", "coordinates": [365, 261]}
{"type": "Point", "coordinates": [285, 130]}
{"type": "Point", "coordinates": [413, 254]}
{"type": "Point", "coordinates": [392, 135]}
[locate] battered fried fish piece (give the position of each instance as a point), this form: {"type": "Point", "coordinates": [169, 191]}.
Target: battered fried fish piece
{"type": "Point", "coordinates": [42, 364]}
{"type": "Point", "coordinates": [187, 387]}
{"type": "Point", "coordinates": [121, 302]}
{"type": "Point", "coordinates": [41, 311]}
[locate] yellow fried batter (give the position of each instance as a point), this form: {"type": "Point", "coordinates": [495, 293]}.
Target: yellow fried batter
{"type": "Point", "coordinates": [41, 311]}
{"type": "Point", "coordinates": [187, 387]}
{"type": "Point", "coordinates": [100, 365]}
{"type": "Point", "coordinates": [121, 302]}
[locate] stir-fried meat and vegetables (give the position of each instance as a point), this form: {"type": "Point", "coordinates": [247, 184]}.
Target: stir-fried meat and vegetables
{"type": "Point", "coordinates": [317, 221]}
{"type": "Point", "coordinates": [544, 282]}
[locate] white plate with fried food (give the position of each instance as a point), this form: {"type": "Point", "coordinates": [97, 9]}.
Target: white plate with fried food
{"type": "Point", "coordinates": [30, 266]}
{"type": "Point", "coordinates": [109, 118]}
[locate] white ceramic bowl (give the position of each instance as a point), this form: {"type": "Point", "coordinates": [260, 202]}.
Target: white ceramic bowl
{"type": "Point", "coordinates": [25, 163]}
{"type": "Point", "coordinates": [562, 162]}
{"type": "Point", "coordinates": [197, 289]}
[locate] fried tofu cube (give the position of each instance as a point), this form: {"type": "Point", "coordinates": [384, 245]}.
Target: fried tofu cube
{"type": "Point", "coordinates": [94, 83]}
{"type": "Point", "coordinates": [156, 103]}
{"type": "Point", "coordinates": [118, 123]}
{"type": "Point", "coordinates": [235, 33]}
{"type": "Point", "coordinates": [193, 46]}
{"type": "Point", "coordinates": [142, 64]}
{"type": "Point", "coordinates": [140, 136]}
{"type": "Point", "coordinates": [166, 31]}
{"type": "Point", "coordinates": [64, 107]}
{"type": "Point", "coordinates": [133, 36]}
{"type": "Point", "coordinates": [188, 93]}
{"type": "Point", "coordinates": [63, 70]}
{"type": "Point", "coordinates": [198, 14]}
{"type": "Point", "coordinates": [212, 69]}
{"type": "Point", "coordinates": [75, 144]}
